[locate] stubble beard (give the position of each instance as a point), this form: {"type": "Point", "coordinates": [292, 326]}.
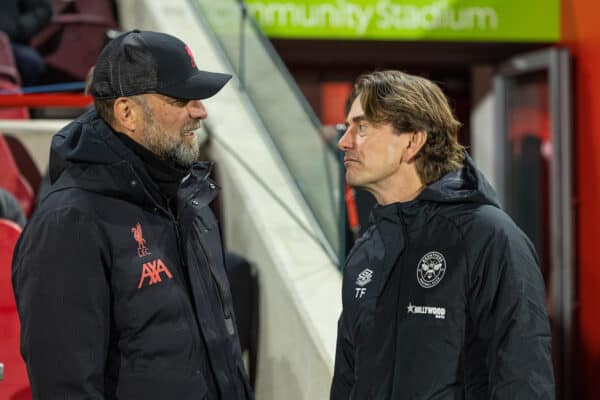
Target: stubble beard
{"type": "Point", "coordinates": [353, 181]}
{"type": "Point", "coordinates": [173, 149]}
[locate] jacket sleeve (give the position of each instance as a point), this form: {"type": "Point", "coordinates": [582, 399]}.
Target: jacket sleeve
{"type": "Point", "coordinates": [507, 309]}
{"type": "Point", "coordinates": [62, 293]}
{"type": "Point", "coordinates": [35, 15]}
{"type": "Point", "coordinates": [343, 374]}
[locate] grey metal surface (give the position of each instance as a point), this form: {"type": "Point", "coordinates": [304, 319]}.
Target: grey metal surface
{"type": "Point", "coordinates": [556, 62]}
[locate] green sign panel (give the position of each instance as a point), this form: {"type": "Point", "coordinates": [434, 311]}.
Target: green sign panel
{"type": "Point", "coordinates": [449, 20]}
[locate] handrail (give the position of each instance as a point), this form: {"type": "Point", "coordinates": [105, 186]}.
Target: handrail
{"type": "Point", "coordinates": [46, 100]}
{"type": "Point", "coordinates": [285, 113]}
{"type": "Point", "coordinates": [50, 88]}
{"type": "Point", "coordinates": [66, 94]}
{"type": "Point", "coordinates": [246, 18]}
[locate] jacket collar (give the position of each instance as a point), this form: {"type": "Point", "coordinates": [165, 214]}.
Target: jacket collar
{"type": "Point", "coordinates": [467, 185]}
{"type": "Point", "coordinates": [87, 154]}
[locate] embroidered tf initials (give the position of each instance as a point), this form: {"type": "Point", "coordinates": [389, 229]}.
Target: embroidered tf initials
{"type": "Point", "coordinates": [142, 250]}
{"type": "Point", "coordinates": [152, 270]}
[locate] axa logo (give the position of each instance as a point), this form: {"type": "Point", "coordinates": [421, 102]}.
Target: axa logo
{"type": "Point", "coordinates": [151, 272]}
{"type": "Point", "coordinates": [142, 250]}
{"type": "Point", "coordinates": [431, 269]}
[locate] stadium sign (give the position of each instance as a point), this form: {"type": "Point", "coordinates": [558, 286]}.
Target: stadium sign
{"type": "Point", "coordinates": [446, 20]}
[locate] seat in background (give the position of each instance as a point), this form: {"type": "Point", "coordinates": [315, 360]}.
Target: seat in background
{"type": "Point", "coordinates": [10, 79]}
{"type": "Point", "coordinates": [72, 41]}
{"type": "Point", "coordinates": [8, 67]}
{"type": "Point", "coordinates": [15, 384]}
{"type": "Point", "coordinates": [25, 163]}
{"type": "Point", "coordinates": [12, 180]}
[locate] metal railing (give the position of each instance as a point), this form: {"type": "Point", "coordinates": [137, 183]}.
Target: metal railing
{"type": "Point", "coordinates": [286, 115]}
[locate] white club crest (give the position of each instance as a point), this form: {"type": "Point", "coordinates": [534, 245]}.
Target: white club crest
{"type": "Point", "coordinates": [364, 277]}
{"type": "Point", "coordinates": [431, 269]}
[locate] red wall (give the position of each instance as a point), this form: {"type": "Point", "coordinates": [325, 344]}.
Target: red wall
{"type": "Point", "coordinates": [581, 33]}
{"type": "Point", "coordinates": [333, 102]}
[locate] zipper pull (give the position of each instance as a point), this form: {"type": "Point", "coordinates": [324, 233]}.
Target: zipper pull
{"type": "Point", "coordinates": [229, 325]}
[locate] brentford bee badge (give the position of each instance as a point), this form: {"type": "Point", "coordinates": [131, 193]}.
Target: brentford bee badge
{"type": "Point", "coordinates": [431, 269]}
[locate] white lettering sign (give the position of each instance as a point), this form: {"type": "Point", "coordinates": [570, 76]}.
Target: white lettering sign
{"type": "Point", "coordinates": [381, 14]}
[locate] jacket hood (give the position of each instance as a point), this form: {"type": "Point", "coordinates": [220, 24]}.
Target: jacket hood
{"type": "Point", "coordinates": [88, 154]}
{"type": "Point", "coordinates": [87, 140]}
{"type": "Point", "coordinates": [467, 185]}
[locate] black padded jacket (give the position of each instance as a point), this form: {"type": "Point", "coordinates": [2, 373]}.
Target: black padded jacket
{"type": "Point", "coordinates": [443, 298]}
{"type": "Point", "coordinates": [118, 298]}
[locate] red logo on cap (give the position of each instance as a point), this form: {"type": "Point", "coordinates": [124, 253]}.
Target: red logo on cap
{"type": "Point", "coordinates": [189, 51]}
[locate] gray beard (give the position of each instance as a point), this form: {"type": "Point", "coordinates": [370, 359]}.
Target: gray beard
{"type": "Point", "coordinates": [166, 148]}
{"type": "Point", "coordinates": [183, 155]}
{"type": "Point", "coordinates": [180, 154]}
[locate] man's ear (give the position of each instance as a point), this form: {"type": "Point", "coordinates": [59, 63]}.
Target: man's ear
{"type": "Point", "coordinates": [415, 144]}
{"type": "Point", "coordinates": [126, 114]}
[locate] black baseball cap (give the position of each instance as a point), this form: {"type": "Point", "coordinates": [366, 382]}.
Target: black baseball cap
{"type": "Point", "coordinates": [139, 62]}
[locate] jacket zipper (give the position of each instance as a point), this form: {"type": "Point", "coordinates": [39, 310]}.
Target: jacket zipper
{"type": "Point", "coordinates": [401, 262]}
{"type": "Point", "coordinates": [219, 287]}
{"type": "Point", "coordinates": [187, 282]}
{"type": "Point", "coordinates": [228, 319]}
{"type": "Point", "coordinates": [180, 250]}
{"type": "Point", "coordinates": [404, 229]}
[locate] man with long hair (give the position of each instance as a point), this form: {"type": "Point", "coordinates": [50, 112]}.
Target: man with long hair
{"type": "Point", "coordinates": [442, 296]}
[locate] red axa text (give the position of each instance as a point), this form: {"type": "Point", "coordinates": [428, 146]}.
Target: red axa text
{"type": "Point", "coordinates": [152, 270]}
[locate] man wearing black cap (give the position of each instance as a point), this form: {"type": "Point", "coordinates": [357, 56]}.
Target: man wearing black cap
{"type": "Point", "coordinates": [119, 276]}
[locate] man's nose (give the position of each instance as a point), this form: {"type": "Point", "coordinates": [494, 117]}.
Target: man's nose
{"type": "Point", "coordinates": [345, 141]}
{"type": "Point", "coordinates": [197, 110]}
